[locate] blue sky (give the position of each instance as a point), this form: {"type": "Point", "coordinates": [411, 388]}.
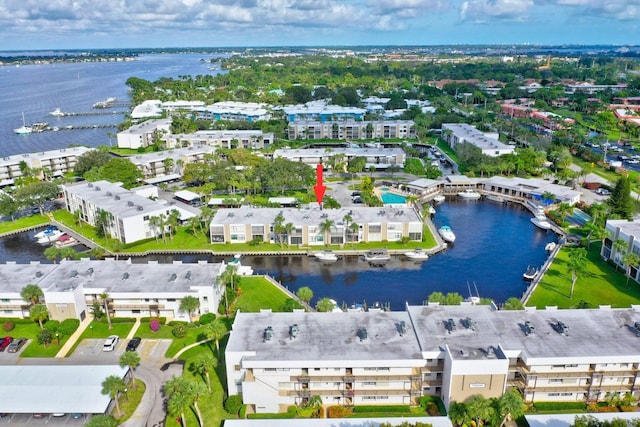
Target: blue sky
{"type": "Point", "coordinates": [65, 24]}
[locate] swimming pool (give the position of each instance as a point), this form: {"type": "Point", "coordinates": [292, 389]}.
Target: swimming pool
{"type": "Point", "coordinates": [392, 199]}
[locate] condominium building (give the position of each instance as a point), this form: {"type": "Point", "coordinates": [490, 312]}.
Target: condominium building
{"type": "Point", "coordinates": [249, 139]}
{"type": "Point", "coordinates": [459, 133]}
{"type": "Point", "coordinates": [454, 352]}
{"type": "Point", "coordinates": [134, 290]}
{"type": "Point", "coordinates": [170, 162]}
{"type": "Point", "coordinates": [143, 134]}
{"type": "Point", "coordinates": [234, 111]}
{"type": "Point", "coordinates": [47, 164]}
{"type": "Point", "coordinates": [322, 112]}
{"type": "Point", "coordinates": [351, 129]}
{"type": "Point", "coordinates": [379, 158]}
{"type": "Point", "coordinates": [530, 189]}
{"type": "Point", "coordinates": [127, 213]}
{"type": "Point", "coordinates": [244, 224]}
{"type": "Point", "coordinates": [629, 233]}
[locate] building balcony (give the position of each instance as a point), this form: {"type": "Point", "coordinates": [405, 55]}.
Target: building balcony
{"type": "Point", "coordinates": [152, 307]}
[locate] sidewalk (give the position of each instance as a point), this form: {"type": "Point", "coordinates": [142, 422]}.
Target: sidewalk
{"type": "Point", "coordinates": [74, 337]}
{"type": "Point", "coordinates": [134, 329]}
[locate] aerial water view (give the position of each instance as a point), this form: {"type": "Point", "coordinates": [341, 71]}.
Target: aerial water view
{"type": "Point", "coordinates": [384, 213]}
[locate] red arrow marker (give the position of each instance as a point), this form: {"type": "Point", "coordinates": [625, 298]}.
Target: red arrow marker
{"type": "Point", "coordinates": [319, 189]}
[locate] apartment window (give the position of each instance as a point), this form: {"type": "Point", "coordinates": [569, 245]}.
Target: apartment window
{"type": "Point", "coordinates": [236, 368]}
{"type": "Point", "coordinates": [145, 218]}
{"type": "Point", "coordinates": [283, 369]}
{"type": "Point", "coordinates": [171, 300]}
{"type": "Point", "coordinates": [369, 383]}
{"type": "Point", "coordinates": [269, 369]}
{"type": "Point", "coordinates": [135, 311]}
{"type": "Point", "coordinates": [556, 380]}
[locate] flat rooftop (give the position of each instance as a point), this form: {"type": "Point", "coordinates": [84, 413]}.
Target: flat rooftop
{"type": "Point", "coordinates": [589, 333]}
{"type": "Point", "coordinates": [15, 276]}
{"type": "Point", "coordinates": [44, 155]}
{"type": "Point", "coordinates": [55, 388]}
{"type": "Point", "coordinates": [314, 216]}
{"type": "Point", "coordinates": [125, 276]}
{"type": "Point", "coordinates": [347, 151]}
{"type": "Point", "coordinates": [325, 336]}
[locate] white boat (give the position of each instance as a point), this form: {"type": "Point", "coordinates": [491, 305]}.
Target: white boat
{"type": "Point", "coordinates": [327, 256]}
{"type": "Point", "coordinates": [469, 194]}
{"type": "Point", "coordinates": [57, 113]}
{"type": "Point", "coordinates": [377, 256]}
{"type": "Point", "coordinates": [65, 241]}
{"type": "Point", "coordinates": [50, 237]}
{"type": "Point", "coordinates": [530, 273]}
{"type": "Point", "coordinates": [417, 255]}
{"type": "Point", "coordinates": [550, 246]}
{"type": "Point", "coordinates": [432, 210]}
{"type": "Point", "coordinates": [439, 198]}
{"type": "Point", "coordinates": [44, 232]}
{"type": "Point", "coordinates": [24, 129]}
{"type": "Point", "coordinates": [540, 220]}
{"type": "Point", "coordinates": [495, 198]}
{"type": "Point", "coordinates": [447, 234]}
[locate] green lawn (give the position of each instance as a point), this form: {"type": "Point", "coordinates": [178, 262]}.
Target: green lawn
{"type": "Point", "coordinates": [21, 223]}
{"type": "Point", "coordinates": [33, 348]}
{"type": "Point", "coordinates": [100, 329]}
{"type": "Point", "coordinates": [601, 284]}
{"type": "Point", "coordinates": [257, 293]}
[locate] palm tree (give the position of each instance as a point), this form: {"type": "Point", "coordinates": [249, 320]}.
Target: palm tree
{"type": "Point", "coordinates": [325, 305]}
{"type": "Point", "coordinates": [216, 330]}
{"type": "Point", "coordinates": [39, 313]}
{"type": "Point", "coordinates": [189, 304]}
{"type": "Point", "coordinates": [154, 222]}
{"type": "Point", "coordinates": [31, 294]}
{"type": "Point", "coordinates": [564, 209]}
{"type": "Point", "coordinates": [288, 228]}
{"type": "Point", "coordinates": [576, 264]}
{"type": "Point", "coordinates": [596, 232]}
{"type": "Point", "coordinates": [52, 253]}
{"type": "Point", "coordinates": [513, 303]}
{"type": "Point", "coordinates": [203, 366]}
{"type": "Point", "coordinates": [113, 385]}
{"type": "Point", "coordinates": [325, 228]}
{"type": "Point", "coordinates": [305, 294]}
{"type": "Point", "coordinates": [598, 212]}
{"type": "Point", "coordinates": [172, 221]}
{"type": "Point", "coordinates": [458, 413]}
{"type": "Point", "coordinates": [630, 259]}
{"type": "Point", "coordinates": [355, 229]}
{"type": "Point", "coordinates": [132, 360]}
{"type": "Point", "coordinates": [196, 391]}
{"type": "Point", "coordinates": [105, 301]}
{"type": "Point", "coordinates": [510, 405]}
{"type": "Point", "coordinates": [315, 402]}
{"type": "Point", "coordinates": [480, 409]}
{"type": "Point", "coordinates": [179, 403]}
{"type": "Point", "coordinates": [620, 248]}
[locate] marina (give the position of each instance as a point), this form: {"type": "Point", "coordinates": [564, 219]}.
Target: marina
{"type": "Point", "coordinates": [499, 242]}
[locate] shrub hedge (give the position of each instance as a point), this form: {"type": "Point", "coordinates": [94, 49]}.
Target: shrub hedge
{"type": "Point", "coordinates": [381, 408]}
{"type": "Point", "coordinates": [556, 406]}
{"type": "Point", "coordinates": [291, 413]}
{"type": "Point", "coordinates": [162, 320]}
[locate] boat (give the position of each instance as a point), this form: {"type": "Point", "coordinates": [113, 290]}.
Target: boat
{"type": "Point", "coordinates": [530, 273]}
{"type": "Point", "coordinates": [550, 246]}
{"type": "Point", "coordinates": [50, 237]}
{"type": "Point", "coordinates": [417, 255]}
{"type": "Point", "coordinates": [44, 232]}
{"type": "Point", "coordinates": [24, 129]}
{"type": "Point", "coordinates": [432, 210]}
{"type": "Point", "coordinates": [469, 194]}
{"type": "Point", "coordinates": [540, 220]}
{"type": "Point", "coordinates": [65, 241]}
{"type": "Point", "coordinates": [377, 256]}
{"type": "Point", "coordinates": [326, 256]}
{"type": "Point", "coordinates": [107, 103]}
{"type": "Point", "coordinates": [56, 113]}
{"type": "Point", "coordinates": [495, 198]}
{"type": "Point", "coordinates": [447, 234]}
{"type": "Point", "coordinates": [439, 198]}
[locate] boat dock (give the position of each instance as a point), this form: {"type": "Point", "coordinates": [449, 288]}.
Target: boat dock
{"type": "Point", "coordinates": [89, 113]}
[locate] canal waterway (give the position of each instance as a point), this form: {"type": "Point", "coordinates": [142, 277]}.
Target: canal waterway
{"type": "Point", "coordinates": [494, 245]}
{"type": "Point", "coordinates": [36, 90]}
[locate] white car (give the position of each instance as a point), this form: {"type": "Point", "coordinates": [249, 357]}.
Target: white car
{"type": "Point", "coordinates": [110, 343]}
{"type": "Point", "coordinates": [633, 161]}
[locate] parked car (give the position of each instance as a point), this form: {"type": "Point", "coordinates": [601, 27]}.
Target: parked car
{"type": "Point", "coordinates": [76, 416]}
{"type": "Point", "coordinates": [4, 343]}
{"type": "Point", "coordinates": [110, 343]}
{"type": "Point", "coordinates": [39, 415]}
{"type": "Point", "coordinates": [603, 191]}
{"type": "Point", "coordinates": [16, 345]}
{"type": "Point", "coordinates": [133, 343]}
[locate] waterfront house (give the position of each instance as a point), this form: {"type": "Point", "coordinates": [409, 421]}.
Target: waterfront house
{"type": "Point", "coordinates": [245, 224]}
{"type": "Point", "coordinates": [135, 289]}
{"type": "Point", "coordinates": [126, 212]}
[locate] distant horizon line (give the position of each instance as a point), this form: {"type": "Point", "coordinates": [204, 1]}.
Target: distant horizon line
{"type": "Point", "coordinates": [330, 46]}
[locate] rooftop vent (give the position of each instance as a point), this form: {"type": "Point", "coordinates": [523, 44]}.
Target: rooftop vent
{"type": "Point", "coordinates": [129, 203]}
{"type": "Point", "coordinates": [116, 197]}
{"type": "Point", "coordinates": [528, 328]}
{"type": "Point", "coordinates": [39, 273]}
{"type": "Point", "coordinates": [140, 208]}
{"type": "Point", "coordinates": [561, 328]}
{"type": "Point", "coordinates": [90, 185]}
{"type": "Point", "coordinates": [450, 325]}
{"type": "Point", "coordinates": [362, 333]}
{"type": "Point", "coordinates": [173, 277]}
{"type": "Point", "coordinates": [109, 193]}
{"type": "Point", "coordinates": [230, 215]}
{"type": "Point", "coordinates": [294, 330]}
{"type": "Point", "coordinates": [74, 273]}
{"type": "Point", "coordinates": [402, 328]}
{"type": "Point", "coordinates": [268, 333]}
{"type": "Point", "coordinates": [125, 276]}
{"type": "Point", "coordinates": [97, 188]}
{"type": "Point", "coordinates": [468, 323]}
{"type": "Point", "coordinates": [90, 270]}
{"type": "Point", "coordinates": [188, 275]}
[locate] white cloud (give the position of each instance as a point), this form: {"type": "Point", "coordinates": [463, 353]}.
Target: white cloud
{"type": "Point", "coordinates": [483, 10]}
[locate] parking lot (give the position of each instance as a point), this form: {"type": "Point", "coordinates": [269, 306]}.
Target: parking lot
{"type": "Point", "coordinates": [48, 420]}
